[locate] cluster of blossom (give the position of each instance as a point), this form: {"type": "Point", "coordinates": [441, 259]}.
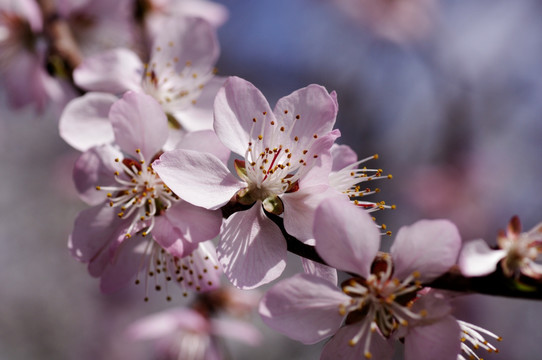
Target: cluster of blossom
{"type": "Point", "coordinates": [175, 158]}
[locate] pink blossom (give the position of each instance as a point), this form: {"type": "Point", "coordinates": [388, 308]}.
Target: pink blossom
{"type": "Point", "coordinates": [137, 223]}
{"type": "Point", "coordinates": [98, 25]}
{"type": "Point", "coordinates": [191, 334]}
{"type": "Point", "coordinates": [22, 55]}
{"type": "Point", "coordinates": [155, 12]}
{"type": "Point", "coordinates": [399, 21]}
{"type": "Point", "coordinates": [179, 75]}
{"type": "Point", "coordinates": [378, 304]}
{"type": "Point", "coordinates": [284, 151]}
{"type": "Point", "coordinates": [517, 253]}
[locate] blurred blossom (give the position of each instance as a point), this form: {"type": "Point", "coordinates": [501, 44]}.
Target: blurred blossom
{"type": "Point", "coordinates": [396, 20]}
{"type": "Point", "coordinates": [155, 12]}
{"type": "Point", "coordinates": [518, 253]}
{"type": "Point", "coordinates": [179, 75]}
{"type": "Point", "coordinates": [98, 25]}
{"type": "Point", "coordinates": [196, 333]}
{"type": "Point", "coordinates": [23, 56]}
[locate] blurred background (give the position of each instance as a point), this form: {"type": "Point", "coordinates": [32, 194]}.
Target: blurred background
{"type": "Point", "coordinates": [448, 93]}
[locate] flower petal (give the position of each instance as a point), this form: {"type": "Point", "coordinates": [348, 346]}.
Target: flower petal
{"type": "Point", "coordinates": [346, 236]}
{"type": "Point", "coordinates": [338, 347]}
{"type": "Point", "coordinates": [342, 155]}
{"type": "Point", "coordinates": [213, 12]}
{"type": "Point", "coordinates": [164, 323]}
{"type": "Point", "coordinates": [186, 223]}
{"type": "Point", "coordinates": [114, 71]}
{"type": "Point", "coordinates": [199, 116]}
{"type": "Point", "coordinates": [85, 123]}
{"type": "Point", "coordinates": [316, 109]}
{"type": "Point", "coordinates": [303, 307]}
{"type": "Point", "coordinates": [427, 246]}
{"type": "Point", "coordinates": [199, 178]}
{"type": "Point", "coordinates": [205, 141]}
{"type": "Point", "coordinates": [182, 42]}
{"type": "Point", "coordinates": [139, 123]}
{"type": "Point", "coordinates": [95, 167]}
{"type": "Point", "coordinates": [199, 271]}
{"type": "Point", "coordinates": [237, 103]}
{"type": "Point", "coordinates": [478, 259]}
{"type": "Point", "coordinates": [93, 230]}
{"type": "Point", "coordinates": [237, 330]}
{"type": "Point", "coordinates": [322, 271]}
{"type": "Point", "coordinates": [252, 250]}
{"type": "Point", "coordinates": [300, 207]}
{"type": "Point", "coordinates": [125, 263]}
{"type": "Point", "coordinates": [439, 340]}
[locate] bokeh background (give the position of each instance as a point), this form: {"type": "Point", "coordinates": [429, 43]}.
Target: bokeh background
{"type": "Point", "coordinates": [448, 93]}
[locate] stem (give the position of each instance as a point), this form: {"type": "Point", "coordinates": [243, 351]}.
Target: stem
{"type": "Point", "coordinates": [495, 284]}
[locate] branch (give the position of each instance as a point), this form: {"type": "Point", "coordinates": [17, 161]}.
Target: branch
{"type": "Point", "coordinates": [496, 284]}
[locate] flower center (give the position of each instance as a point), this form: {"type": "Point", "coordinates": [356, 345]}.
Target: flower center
{"type": "Point", "coordinates": [174, 89]}
{"type": "Point", "coordinates": [379, 302]}
{"type": "Point", "coordinates": [139, 194]}
{"type": "Point", "coordinates": [275, 159]}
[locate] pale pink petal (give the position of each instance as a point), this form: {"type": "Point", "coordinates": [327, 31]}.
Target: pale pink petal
{"type": "Point", "coordinates": [114, 71]}
{"type": "Point", "coordinates": [322, 271]}
{"type": "Point", "coordinates": [95, 167]}
{"type": "Point", "coordinates": [98, 264]}
{"type": "Point", "coordinates": [237, 103]}
{"type": "Point", "coordinates": [186, 223]}
{"type": "Point", "coordinates": [252, 250]}
{"type": "Point", "coordinates": [427, 246]}
{"type": "Point", "coordinates": [439, 340]}
{"type": "Point", "coordinates": [170, 238]}
{"type": "Point", "coordinates": [236, 330]}
{"type": "Point", "coordinates": [93, 230]}
{"type": "Point", "coordinates": [300, 207]}
{"type": "Point", "coordinates": [478, 259]}
{"type": "Point", "coordinates": [213, 12]}
{"type": "Point", "coordinates": [84, 122]}
{"type": "Point", "coordinates": [199, 178]}
{"type": "Point", "coordinates": [110, 26]}
{"type": "Point", "coordinates": [346, 236]}
{"type": "Point", "coordinates": [303, 307]}
{"type": "Point", "coordinates": [26, 68]}
{"type": "Point", "coordinates": [320, 159]}
{"type": "Point", "coordinates": [183, 40]}
{"type": "Point", "coordinates": [342, 155]}
{"type": "Point", "coordinates": [435, 303]}
{"type": "Point", "coordinates": [125, 263]}
{"type": "Point", "coordinates": [199, 271]}
{"type": "Point", "coordinates": [317, 111]}
{"type": "Point", "coordinates": [199, 116]}
{"type": "Point", "coordinates": [29, 9]}
{"type": "Point", "coordinates": [139, 123]}
{"type": "Point", "coordinates": [339, 348]}
{"type": "Point", "coordinates": [532, 269]}
{"type": "Point", "coordinates": [205, 141]}
{"type": "Point", "coordinates": [165, 323]}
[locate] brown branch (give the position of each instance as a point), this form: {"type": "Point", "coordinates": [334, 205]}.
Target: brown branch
{"type": "Point", "coordinates": [496, 284]}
